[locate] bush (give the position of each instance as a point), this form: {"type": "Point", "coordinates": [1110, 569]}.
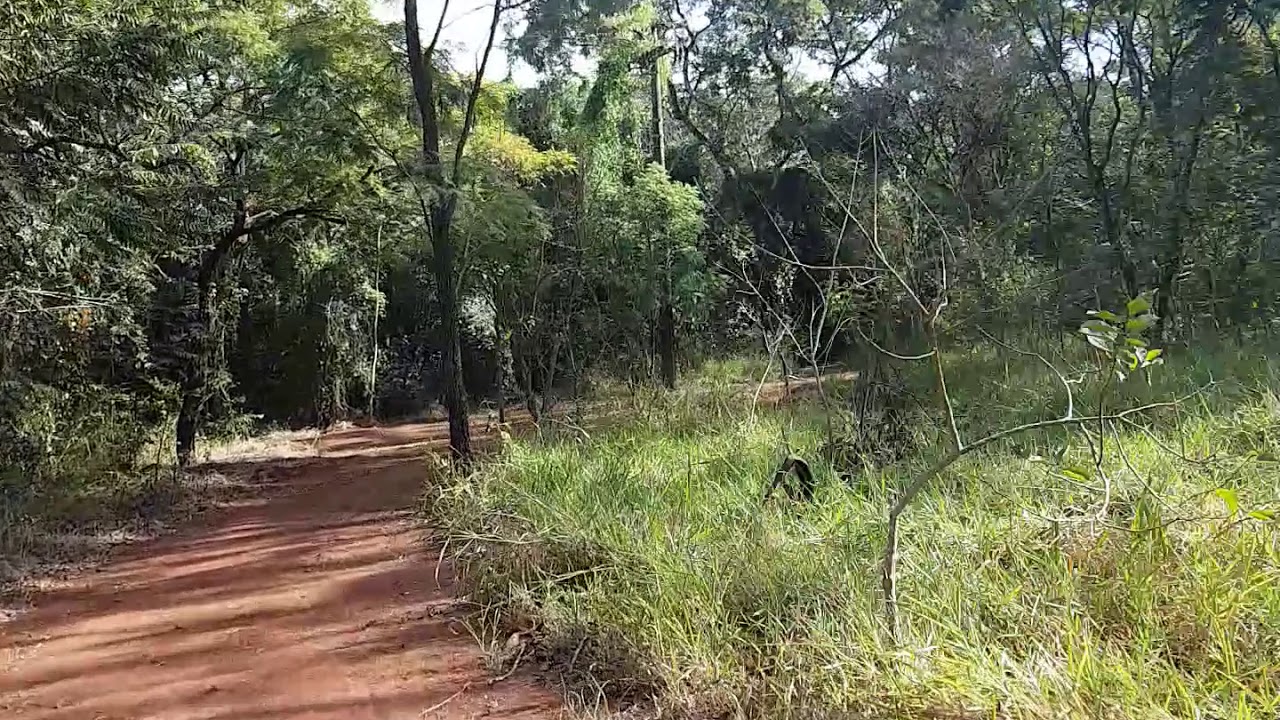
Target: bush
{"type": "Point", "coordinates": [71, 458]}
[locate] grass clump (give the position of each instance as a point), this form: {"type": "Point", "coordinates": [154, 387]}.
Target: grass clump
{"type": "Point", "coordinates": [643, 560]}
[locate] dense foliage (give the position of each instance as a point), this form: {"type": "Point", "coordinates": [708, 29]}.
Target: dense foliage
{"type": "Point", "coordinates": [214, 216]}
{"type": "Point", "coordinates": [204, 199]}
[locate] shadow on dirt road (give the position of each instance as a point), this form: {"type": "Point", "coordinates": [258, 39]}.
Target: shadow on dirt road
{"type": "Point", "coordinates": [317, 598]}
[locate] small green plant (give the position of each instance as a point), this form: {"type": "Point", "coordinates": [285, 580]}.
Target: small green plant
{"type": "Point", "coordinates": [1120, 337]}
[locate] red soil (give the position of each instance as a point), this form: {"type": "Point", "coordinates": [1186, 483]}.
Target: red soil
{"type": "Point", "coordinates": [319, 599]}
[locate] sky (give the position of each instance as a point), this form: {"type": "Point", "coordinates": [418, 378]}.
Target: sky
{"type": "Point", "coordinates": [467, 27]}
{"type": "Point", "coordinates": [465, 31]}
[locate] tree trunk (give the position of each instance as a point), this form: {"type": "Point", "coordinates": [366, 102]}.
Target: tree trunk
{"type": "Point", "coordinates": [188, 417]}
{"type": "Point", "coordinates": [526, 380]}
{"type": "Point", "coordinates": [499, 369]}
{"type": "Point", "coordinates": [1164, 297]}
{"type": "Point", "coordinates": [549, 375]}
{"type": "Point", "coordinates": [454, 394]}
{"type": "Point", "coordinates": [1176, 211]}
{"type": "Point", "coordinates": [667, 343]}
{"type": "Point", "coordinates": [440, 216]}
{"type": "Point", "coordinates": [666, 330]}
{"type": "Point", "coordinates": [195, 375]}
{"type": "Point", "coordinates": [377, 312]}
{"type": "Point", "coordinates": [1111, 232]}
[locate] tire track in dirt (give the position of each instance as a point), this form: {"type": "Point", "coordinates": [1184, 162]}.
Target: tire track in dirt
{"type": "Point", "coordinates": [316, 599]}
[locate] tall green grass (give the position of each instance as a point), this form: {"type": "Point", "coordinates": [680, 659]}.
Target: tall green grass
{"type": "Point", "coordinates": [644, 562]}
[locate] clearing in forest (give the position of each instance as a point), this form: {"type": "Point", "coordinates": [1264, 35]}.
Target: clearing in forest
{"type": "Point", "coordinates": [317, 598]}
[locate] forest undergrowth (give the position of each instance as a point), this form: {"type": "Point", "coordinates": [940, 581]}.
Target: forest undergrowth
{"type": "Point", "coordinates": [642, 560]}
{"type": "Point", "coordinates": [111, 483]}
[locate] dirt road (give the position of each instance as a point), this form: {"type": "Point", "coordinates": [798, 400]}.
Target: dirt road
{"type": "Point", "coordinates": [316, 599]}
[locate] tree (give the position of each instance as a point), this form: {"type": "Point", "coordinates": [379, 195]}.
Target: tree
{"type": "Point", "coordinates": [198, 133]}
{"type": "Point", "coordinates": [249, 114]}
{"type": "Point", "coordinates": [439, 203]}
{"type": "Point", "coordinates": [201, 201]}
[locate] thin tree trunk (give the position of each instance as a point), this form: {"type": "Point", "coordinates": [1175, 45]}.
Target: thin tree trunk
{"type": "Point", "coordinates": [666, 331]}
{"type": "Point", "coordinates": [196, 374]}
{"type": "Point", "coordinates": [454, 392]}
{"type": "Point", "coordinates": [499, 368]}
{"type": "Point", "coordinates": [526, 380]}
{"type": "Point", "coordinates": [1176, 211]}
{"type": "Point", "coordinates": [1165, 292]}
{"type": "Point", "coordinates": [377, 311]}
{"type": "Point", "coordinates": [667, 343]}
{"type": "Point", "coordinates": [1111, 232]}
{"type": "Point", "coordinates": [440, 211]}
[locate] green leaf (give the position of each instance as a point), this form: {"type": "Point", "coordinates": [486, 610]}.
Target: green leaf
{"type": "Point", "coordinates": [1078, 474]}
{"type": "Point", "coordinates": [1263, 515]}
{"type": "Point", "coordinates": [1152, 355]}
{"type": "Point", "coordinates": [1137, 306]}
{"type": "Point", "coordinates": [1106, 315]}
{"type": "Point", "coordinates": [1135, 325]}
{"type": "Point", "coordinates": [1099, 334]}
{"type": "Point", "coordinates": [1229, 498]}
{"type": "Point", "coordinates": [1097, 340]}
{"type": "Point", "coordinates": [1097, 326]}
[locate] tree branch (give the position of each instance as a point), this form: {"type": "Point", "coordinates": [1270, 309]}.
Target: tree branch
{"type": "Point", "coordinates": [435, 37]}
{"type": "Point", "coordinates": [420, 74]}
{"type": "Point", "coordinates": [890, 562]}
{"type": "Point", "coordinates": [681, 113]}
{"type": "Point", "coordinates": [476, 85]}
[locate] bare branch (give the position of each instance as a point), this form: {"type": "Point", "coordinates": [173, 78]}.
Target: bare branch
{"type": "Point", "coordinates": [435, 37]}
{"type": "Point", "coordinates": [890, 562]}
{"type": "Point", "coordinates": [1066, 385]}
{"type": "Point", "coordinates": [872, 343]}
{"type": "Point", "coordinates": [681, 113]}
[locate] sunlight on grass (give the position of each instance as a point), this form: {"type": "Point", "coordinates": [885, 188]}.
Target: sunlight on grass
{"type": "Point", "coordinates": [644, 560]}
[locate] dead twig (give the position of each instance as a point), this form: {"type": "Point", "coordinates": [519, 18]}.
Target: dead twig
{"type": "Point", "coordinates": [514, 666]}
{"type": "Point", "coordinates": [446, 701]}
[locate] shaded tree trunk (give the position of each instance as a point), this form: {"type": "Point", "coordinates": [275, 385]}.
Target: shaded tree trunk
{"type": "Point", "coordinates": [666, 330]}
{"type": "Point", "coordinates": [198, 354]}
{"type": "Point", "coordinates": [439, 210]}
{"type": "Point", "coordinates": [667, 343]}
{"type": "Point", "coordinates": [194, 380]}
{"type": "Point", "coordinates": [499, 368]}
{"type": "Point", "coordinates": [525, 377]}
{"type": "Point", "coordinates": [1176, 211]}
{"type": "Point", "coordinates": [453, 395]}
{"type": "Point", "coordinates": [1111, 232]}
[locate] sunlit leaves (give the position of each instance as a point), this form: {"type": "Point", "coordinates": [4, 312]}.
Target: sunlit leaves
{"type": "Point", "coordinates": [1121, 338]}
{"type": "Point", "coordinates": [515, 155]}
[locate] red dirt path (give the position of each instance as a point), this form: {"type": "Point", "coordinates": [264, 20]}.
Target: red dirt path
{"type": "Point", "coordinates": [317, 599]}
